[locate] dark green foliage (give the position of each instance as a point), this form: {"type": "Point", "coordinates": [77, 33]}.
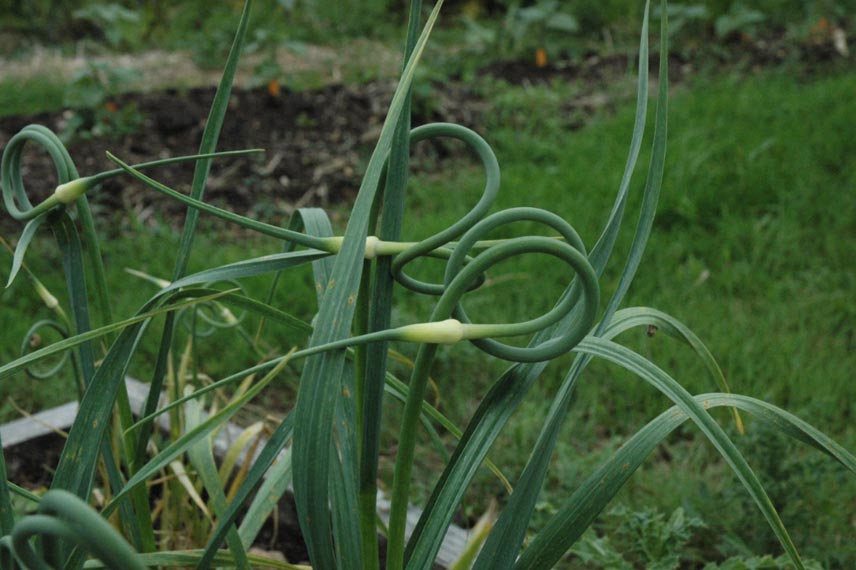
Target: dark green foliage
{"type": "Point", "coordinates": [650, 540]}
{"type": "Point", "coordinates": [639, 539]}
{"type": "Point", "coordinates": [93, 113]}
{"type": "Point", "coordinates": [333, 383]}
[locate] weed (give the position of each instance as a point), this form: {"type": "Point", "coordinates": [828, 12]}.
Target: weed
{"type": "Point", "coordinates": [93, 111]}
{"type": "Point", "coordinates": [120, 26]}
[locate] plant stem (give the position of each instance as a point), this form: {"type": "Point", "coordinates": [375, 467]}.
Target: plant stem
{"type": "Point", "coordinates": [404, 459]}
{"type": "Point", "coordinates": [370, 396]}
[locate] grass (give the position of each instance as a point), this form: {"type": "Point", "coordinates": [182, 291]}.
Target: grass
{"type": "Point", "coordinates": [751, 248]}
{"type": "Point", "coordinates": [43, 95]}
{"type": "Point", "coordinates": [756, 208]}
{"type": "Point", "coordinates": [756, 223]}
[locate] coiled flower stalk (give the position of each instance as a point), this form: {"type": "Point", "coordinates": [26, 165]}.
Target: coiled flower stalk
{"type": "Point", "coordinates": [62, 522]}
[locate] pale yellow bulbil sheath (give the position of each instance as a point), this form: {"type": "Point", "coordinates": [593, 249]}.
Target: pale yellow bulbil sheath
{"type": "Point", "coordinates": [71, 191]}
{"type": "Point", "coordinates": [372, 243]}
{"type": "Point", "coordinates": [49, 300]}
{"type": "Point", "coordinates": [371, 247]}
{"type": "Point", "coordinates": [449, 331]}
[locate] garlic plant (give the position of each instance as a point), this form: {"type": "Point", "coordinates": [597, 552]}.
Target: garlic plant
{"type": "Point", "coordinates": [334, 427]}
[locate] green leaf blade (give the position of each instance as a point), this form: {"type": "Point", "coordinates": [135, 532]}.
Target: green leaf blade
{"type": "Point", "coordinates": [591, 497]}
{"type": "Point", "coordinates": [321, 381]}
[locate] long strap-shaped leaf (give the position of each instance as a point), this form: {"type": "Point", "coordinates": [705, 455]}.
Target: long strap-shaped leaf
{"type": "Point", "coordinates": [274, 485]}
{"type": "Point", "coordinates": [316, 224]}
{"type": "Point", "coordinates": [626, 319]}
{"type": "Point", "coordinates": [343, 455]}
{"type": "Point", "coordinates": [80, 455]}
{"type": "Point", "coordinates": [135, 514]}
{"type": "Point", "coordinates": [203, 429]}
{"type": "Point", "coordinates": [201, 456]}
{"type": "Point", "coordinates": [65, 232]}
{"type": "Point", "coordinates": [580, 509]}
{"type": "Point", "coordinates": [246, 268]}
{"type": "Point", "coordinates": [7, 520]}
{"type": "Point", "coordinates": [267, 498]}
{"type": "Point", "coordinates": [249, 268]}
{"type": "Point", "coordinates": [650, 373]}
{"type": "Point", "coordinates": [21, 247]}
{"type": "Point", "coordinates": [196, 296]}
{"type": "Point", "coordinates": [72, 260]}
{"type": "Point", "coordinates": [504, 543]}
{"type": "Point", "coordinates": [320, 221]}
{"type": "Point", "coordinates": [343, 480]}
{"type": "Point", "coordinates": [185, 558]}
{"type": "Point", "coordinates": [255, 475]}
{"type": "Point", "coordinates": [210, 136]}
{"type": "Point", "coordinates": [370, 393]}
{"type": "Point", "coordinates": [321, 384]}
{"type": "Point", "coordinates": [504, 396]}
{"type": "Point", "coordinates": [344, 477]}
{"type": "Point", "coordinates": [77, 463]}
{"type": "Point", "coordinates": [509, 390]}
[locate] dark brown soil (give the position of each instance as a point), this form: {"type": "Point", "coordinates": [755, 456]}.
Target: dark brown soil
{"type": "Point", "coordinates": [315, 142]}
{"type": "Point", "coordinates": [740, 53]}
{"type": "Point", "coordinates": [31, 465]}
{"type": "Point", "coordinates": [285, 536]}
{"type": "Point", "coordinates": [288, 539]}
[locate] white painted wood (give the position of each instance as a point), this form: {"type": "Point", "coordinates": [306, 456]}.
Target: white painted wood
{"type": "Point", "coordinates": [453, 544]}
{"type": "Point", "coordinates": [37, 425]}
{"type": "Point", "coordinates": [62, 417]}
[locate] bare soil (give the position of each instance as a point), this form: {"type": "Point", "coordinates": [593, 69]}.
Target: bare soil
{"type": "Point", "coordinates": [317, 141]}
{"type": "Point", "coordinates": [32, 465]}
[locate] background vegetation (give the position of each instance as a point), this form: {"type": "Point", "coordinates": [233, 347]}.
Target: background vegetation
{"type": "Point", "coordinates": [752, 248]}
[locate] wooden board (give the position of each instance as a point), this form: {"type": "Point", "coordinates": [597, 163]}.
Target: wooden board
{"type": "Point", "coordinates": [62, 417]}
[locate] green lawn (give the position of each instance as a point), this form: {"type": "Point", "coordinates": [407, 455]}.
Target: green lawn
{"type": "Point", "coordinates": [752, 249]}
{"type": "Point", "coordinates": [757, 222]}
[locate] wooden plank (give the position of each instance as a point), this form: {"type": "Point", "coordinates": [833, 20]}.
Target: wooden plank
{"type": "Point", "coordinates": [453, 544]}
{"type": "Point", "coordinates": [37, 425]}
{"type": "Point", "coordinates": [62, 417]}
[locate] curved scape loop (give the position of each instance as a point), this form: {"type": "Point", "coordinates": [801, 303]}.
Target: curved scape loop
{"type": "Point", "coordinates": [468, 273]}
{"type": "Point", "coordinates": [572, 251]}
{"type": "Point", "coordinates": [14, 193]}
{"type": "Point", "coordinates": [62, 515]}
{"type": "Point", "coordinates": [436, 241]}
{"type": "Point", "coordinates": [26, 345]}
